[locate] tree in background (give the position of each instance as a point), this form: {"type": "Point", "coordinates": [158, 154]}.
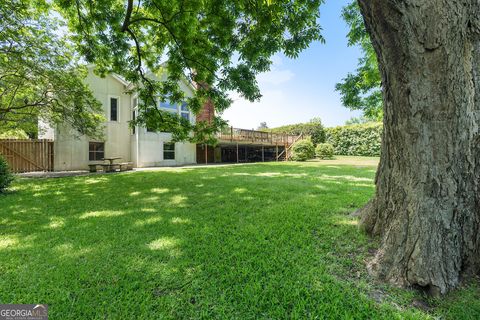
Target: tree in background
{"type": "Point", "coordinates": [262, 126]}
{"type": "Point", "coordinates": [361, 90]}
{"type": "Point", "coordinates": [358, 120]}
{"type": "Point", "coordinates": [13, 134]}
{"type": "Point", "coordinates": [40, 77]}
{"type": "Point", "coordinates": [313, 128]}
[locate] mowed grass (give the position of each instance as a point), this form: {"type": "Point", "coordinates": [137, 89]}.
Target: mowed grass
{"type": "Point", "coordinates": [264, 241]}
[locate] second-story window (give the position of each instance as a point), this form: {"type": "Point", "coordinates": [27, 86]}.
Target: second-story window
{"type": "Point", "coordinates": [133, 119]}
{"type": "Point", "coordinates": [184, 112]}
{"type": "Point", "coordinates": [169, 106]}
{"type": "Point", "coordinates": [113, 109]}
{"type": "Point", "coordinates": [134, 113]}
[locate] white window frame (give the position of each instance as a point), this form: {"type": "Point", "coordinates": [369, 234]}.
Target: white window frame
{"type": "Point", "coordinates": [174, 150]}
{"type": "Point", "coordinates": [110, 97]}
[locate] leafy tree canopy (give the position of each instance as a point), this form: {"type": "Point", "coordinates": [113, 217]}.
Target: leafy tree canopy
{"type": "Point", "coordinates": [218, 46]}
{"type": "Point", "coordinates": [312, 128]}
{"type": "Point", "coordinates": [358, 120]}
{"type": "Point", "coordinates": [263, 125]}
{"type": "Point", "coordinates": [13, 134]}
{"type": "Point", "coordinates": [40, 77]}
{"type": "Point", "coordinates": [361, 90]}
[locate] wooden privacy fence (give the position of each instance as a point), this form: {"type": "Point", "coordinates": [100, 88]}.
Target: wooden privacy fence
{"type": "Point", "coordinates": [28, 155]}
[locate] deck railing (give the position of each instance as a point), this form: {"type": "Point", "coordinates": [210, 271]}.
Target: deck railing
{"type": "Point", "coordinates": [288, 150]}
{"type": "Point", "coordinates": [232, 134]}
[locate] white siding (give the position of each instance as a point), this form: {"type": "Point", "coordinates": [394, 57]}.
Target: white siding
{"type": "Point", "coordinates": [71, 150]}
{"type": "Point", "coordinates": [149, 148]}
{"type": "Point", "coordinates": [143, 149]}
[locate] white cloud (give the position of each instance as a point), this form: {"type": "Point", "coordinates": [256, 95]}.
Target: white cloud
{"type": "Point", "coordinates": [248, 115]}
{"type": "Point", "coordinates": [276, 75]}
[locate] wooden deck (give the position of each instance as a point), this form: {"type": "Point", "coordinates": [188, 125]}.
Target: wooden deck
{"type": "Point", "coordinates": [243, 136]}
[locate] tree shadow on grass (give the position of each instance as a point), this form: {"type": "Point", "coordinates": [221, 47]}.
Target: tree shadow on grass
{"type": "Point", "coordinates": [221, 242]}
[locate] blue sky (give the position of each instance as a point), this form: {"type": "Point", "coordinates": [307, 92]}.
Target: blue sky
{"type": "Point", "coordinates": [298, 90]}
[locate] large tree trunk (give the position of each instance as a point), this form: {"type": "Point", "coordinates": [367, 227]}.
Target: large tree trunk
{"type": "Point", "coordinates": [427, 204]}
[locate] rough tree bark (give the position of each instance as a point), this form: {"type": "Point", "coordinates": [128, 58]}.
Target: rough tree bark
{"type": "Point", "coordinates": [427, 203]}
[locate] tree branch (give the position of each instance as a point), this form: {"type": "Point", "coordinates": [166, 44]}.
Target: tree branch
{"type": "Point", "coordinates": [128, 15]}
{"type": "Point", "coordinates": [140, 71]}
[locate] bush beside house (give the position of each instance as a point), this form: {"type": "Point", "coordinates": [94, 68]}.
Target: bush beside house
{"type": "Point", "coordinates": [324, 151]}
{"type": "Point", "coordinates": [6, 177]}
{"type": "Point", "coordinates": [356, 140]}
{"type": "Point", "coordinates": [303, 150]}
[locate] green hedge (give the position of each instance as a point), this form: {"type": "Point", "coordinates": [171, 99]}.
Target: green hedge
{"type": "Point", "coordinates": [356, 140]}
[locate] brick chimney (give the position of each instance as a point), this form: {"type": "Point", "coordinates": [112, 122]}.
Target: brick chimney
{"type": "Point", "coordinates": [207, 112]}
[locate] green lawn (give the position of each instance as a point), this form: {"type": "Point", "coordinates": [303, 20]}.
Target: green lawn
{"type": "Point", "coordinates": [270, 241]}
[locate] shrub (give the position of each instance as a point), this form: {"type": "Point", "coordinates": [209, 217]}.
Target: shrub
{"type": "Point", "coordinates": [6, 176]}
{"type": "Point", "coordinates": [324, 151]}
{"type": "Point", "coordinates": [303, 150]}
{"type": "Point", "coordinates": [356, 140]}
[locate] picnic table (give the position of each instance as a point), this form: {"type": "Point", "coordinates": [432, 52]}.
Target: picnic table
{"type": "Point", "coordinates": [110, 165]}
{"type": "Point", "coordinates": [111, 159]}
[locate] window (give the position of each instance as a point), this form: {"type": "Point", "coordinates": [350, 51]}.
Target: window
{"type": "Point", "coordinates": [168, 151]}
{"type": "Point", "coordinates": [96, 151]}
{"type": "Point", "coordinates": [170, 107]}
{"type": "Point", "coordinates": [184, 112]}
{"type": "Point", "coordinates": [133, 119]}
{"type": "Point", "coordinates": [113, 109]}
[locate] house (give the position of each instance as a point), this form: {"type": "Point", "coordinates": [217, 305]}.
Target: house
{"type": "Point", "coordinates": [138, 145]}
{"type": "Point", "coordinates": [145, 148]}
